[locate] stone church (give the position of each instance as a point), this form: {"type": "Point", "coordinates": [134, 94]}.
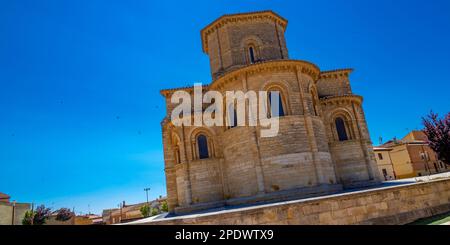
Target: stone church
{"type": "Point", "coordinates": [323, 145]}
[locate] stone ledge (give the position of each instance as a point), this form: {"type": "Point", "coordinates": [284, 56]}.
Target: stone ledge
{"type": "Point", "coordinates": [264, 198]}
{"type": "Point", "coordinates": [388, 205]}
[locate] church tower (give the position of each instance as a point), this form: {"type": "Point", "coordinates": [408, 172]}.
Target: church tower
{"type": "Point", "coordinates": [234, 41]}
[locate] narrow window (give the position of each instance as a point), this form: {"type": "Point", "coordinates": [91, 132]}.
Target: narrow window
{"type": "Point", "coordinates": [251, 54]}
{"type": "Point", "coordinates": [385, 174]}
{"type": "Point", "coordinates": [280, 105]}
{"type": "Point", "coordinates": [340, 128]}
{"type": "Point", "coordinates": [422, 156]}
{"type": "Point", "coordinates": [177, 155]}
{"type": "Point", "coordinates": [202, 142]}
{"type": "Point", "coordinates": [380, 156]}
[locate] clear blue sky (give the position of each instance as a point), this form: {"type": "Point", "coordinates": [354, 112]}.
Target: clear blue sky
{"type": "Point", "coordinates": [80, 108]}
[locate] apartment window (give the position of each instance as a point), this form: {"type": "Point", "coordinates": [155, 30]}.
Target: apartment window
{"type": "Point", "coordinates": [380, 156]}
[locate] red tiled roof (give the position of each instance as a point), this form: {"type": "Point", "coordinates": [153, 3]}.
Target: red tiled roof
{"type": "Point", "coordinates": [4, 196]}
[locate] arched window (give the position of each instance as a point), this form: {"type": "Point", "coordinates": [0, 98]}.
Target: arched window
{"type": "Point", "coordinates": [340, 129]}
{"type": "Point", "coordinates": [202, 143]}
{"type": "Point", "coordinates": [251, 54]}
{"type": "Point", "coordinates": [281, 111]}
{"type": "Point", "coordinates": [176, 148]}
{"type": "Point", "coordinates": [177, 155]}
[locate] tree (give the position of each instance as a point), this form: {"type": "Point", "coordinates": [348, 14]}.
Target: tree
{"type": "Point", "coordinates": [145, 210]}
{"type": "Point", "coordinates": [164, 207]}
{"type": "Point", "coordinates": [438, 132]}
{"type": "Point", "coordinates": [155, 211]}
{"type": "Point", "coordinates": [37, 217]}
{"type": "Point", "coordinates": [64, 214]}
{"type": "Point", "coordinates": [41, 215]}
{"type": "Point", "coordinates": [28, 218]}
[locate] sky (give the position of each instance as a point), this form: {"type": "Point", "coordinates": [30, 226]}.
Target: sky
{"type": "Point", "coordinates": [80, 108]}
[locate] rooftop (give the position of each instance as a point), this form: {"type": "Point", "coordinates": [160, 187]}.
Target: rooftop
{"type": "Point", "coordinates": [4, 196]}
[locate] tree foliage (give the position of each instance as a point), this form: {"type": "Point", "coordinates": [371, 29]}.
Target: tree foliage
{"type": "Point", "coordinates": [155, 211]}
{"type": "Point", "coordinates": [41, 215]}
{"type": "Point", "coordinates": [28, 218]}
{"type": "Point", "coordinates": [438, 132]}
{"type": "Point", "coordinates": [164, 207]}
{"type": "Point", "coordinates": [64, 214]}
{"type": "Point", "coordinates": [145, 210]}
{"type": "Point", "coordinates": [36, 217]}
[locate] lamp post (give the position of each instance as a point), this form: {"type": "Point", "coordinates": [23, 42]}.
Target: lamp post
{"type": "Point", "coordinates": [120, 207]}
{"type": "Point", "coordinates": [146, 192]}
{"type": "Point", "coordinates": [13, 212]}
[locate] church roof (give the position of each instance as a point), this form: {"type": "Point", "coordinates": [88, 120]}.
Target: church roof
{"type": "Point", "coordinates": [4, 196]}
{"type": "Point", "coordinates": [228, 18]}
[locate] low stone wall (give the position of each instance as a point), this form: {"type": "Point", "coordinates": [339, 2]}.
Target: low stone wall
{"type": "Point", "coordinates": [390, 205]}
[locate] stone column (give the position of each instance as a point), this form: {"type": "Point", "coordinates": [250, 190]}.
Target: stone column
{"type": "Point", "coordinates": [363, 138]}
{"type": "Point", "coordinates": [310, 131]}
{"type": "Point", "coordinates": [257, 157]}
{"type": "Point", "coordinates": [186, 168]}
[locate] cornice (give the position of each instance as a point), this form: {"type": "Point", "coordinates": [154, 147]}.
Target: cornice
{"type": "Point", "coordinates": [340, 99]}
{"type": "Point", "coordinates": [257, 68]}
{"type": "Point", "coordinates": [267, 66]}
{"type": "Point", "coordinates": [234, 18]}
{"type": "Point", "coordinates": [189, 89]}
{"type": "Point", "coordinates": [336, 73]}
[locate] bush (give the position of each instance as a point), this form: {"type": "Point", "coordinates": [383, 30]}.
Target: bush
{"type": "Point", "coordinates": [164, 207]}
{"type": "Point", "coordinates": [145, 210]}
{"type": "Point", "coordinates": [155, 211]}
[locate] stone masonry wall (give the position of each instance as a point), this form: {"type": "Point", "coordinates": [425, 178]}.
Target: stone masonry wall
{"type": "Point", "coordinates": [391, 206]}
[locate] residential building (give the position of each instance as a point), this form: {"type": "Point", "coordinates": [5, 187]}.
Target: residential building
{"type": "Point", "coordinates": [384, 163]}
{"type": "Point", "coordinates": [12, 213]}
{"type": "Point", "coordinates": [412, 157]}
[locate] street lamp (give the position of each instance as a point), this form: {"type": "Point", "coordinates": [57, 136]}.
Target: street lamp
{"type": "Point", "coordinates": [146, 192]}
{"type": "Point", "coordinates": [13, 212]}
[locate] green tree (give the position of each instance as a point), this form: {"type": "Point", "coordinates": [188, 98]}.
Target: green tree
{"type": "Point", "coordinates": [164, 207]}
{"type": "Point", "coordinates": [145, 210]}
{"type": "Point", "coordinates": [38, 217]}
{"type": "Point", "coordinates": [28, 218]}
{"type": "Point", "coordinates": [155, 211]}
